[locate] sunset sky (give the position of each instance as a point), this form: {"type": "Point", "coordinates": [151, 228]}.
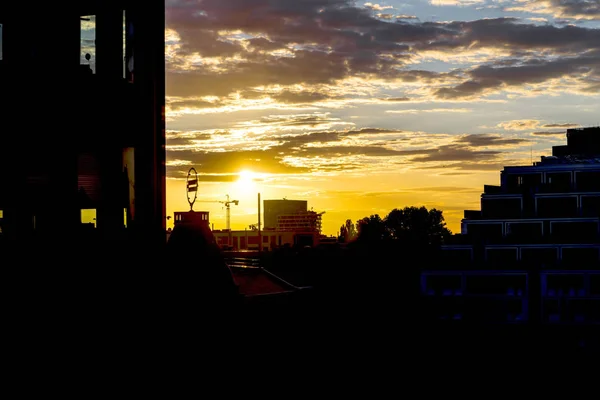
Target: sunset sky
{"type": "Point", "coordinates": [362, 107]}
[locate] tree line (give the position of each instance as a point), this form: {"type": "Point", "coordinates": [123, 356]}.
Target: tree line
{"type": "Point", "coordinates": [416, 225]}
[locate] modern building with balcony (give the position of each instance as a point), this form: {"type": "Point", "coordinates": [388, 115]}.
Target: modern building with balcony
{"type": "Point", "coordinates": [532, 253]}
{"type": "Point", "coordinates": [82, 123]}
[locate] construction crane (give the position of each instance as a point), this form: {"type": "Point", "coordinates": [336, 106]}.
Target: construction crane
{"type": "Point", "coordinates": [227, 204]}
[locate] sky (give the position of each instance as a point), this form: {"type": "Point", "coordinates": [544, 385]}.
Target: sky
{"type": "Point", "coordinates": [363, 107]}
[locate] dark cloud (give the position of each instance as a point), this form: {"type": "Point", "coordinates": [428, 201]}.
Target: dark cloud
{"type": "Point", "coordinates": [396, 99]}
{"type": "Point", "coordinates": [232, 162]}
{"type": "Point", "coordinates": [191, 103]}
{"type": "Point", "coordinates": [264, 44]}
{"type": "Point", "coordinates": [470, 166]}
{"type": "Point", "coordinates": [328, 40]}
{"type": "Point", "coordinates": [574, 8]}
{"type": "Point", "coordinates": [455, 173]}
{"type": "Point", "coordinates": [339, 151]}
{"type": "Point", "coordinates": [370, 131]}
{"type": "Point", "coordinates": [568, 125]}
{"type": "Point", "coordinates": [480, 140]}
{"type": "Point", "coordinates": [549, 133]}
{"type": "Point", "coordinates": [287, 96]}
{"type": "Point", "coordinates": [319, 150]}
{"type": "Point", "coordinates": [466, 166]}
{"type": "Point", "coordinates": [295, 120]}
{"type": "Point", "coordinates": [512, 34]}
{"type": "Point", "coordinates": [293, 141]}
{"type": "Point", "coordinates": [491, 77]}
{"type": "Point", "coordinates": [454, 152]}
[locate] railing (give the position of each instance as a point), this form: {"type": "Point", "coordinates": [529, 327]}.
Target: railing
{"type": "Point", "coordinates": [244, 262]}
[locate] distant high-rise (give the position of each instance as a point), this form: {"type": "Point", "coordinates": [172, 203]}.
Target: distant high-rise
{"type": "Point", "coordinates": [274, 208]}
{"type": "Point", "coordinates": [82, 123]}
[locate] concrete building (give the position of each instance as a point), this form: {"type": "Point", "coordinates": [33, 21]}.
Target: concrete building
{"type": "Point", "coordinates": [95, 130]}
{"type": "Point", "coordinates": [307, 221]}
{"type": "Point", "coordinates": [287, 223]}
{"type": "Point", "coordinates": [532, 253]}
{"type": "Point", "coordinates": [274, 208]}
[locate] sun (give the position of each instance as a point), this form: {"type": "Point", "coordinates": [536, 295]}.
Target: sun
{"type": "Point", "coordinates": [246, 181]}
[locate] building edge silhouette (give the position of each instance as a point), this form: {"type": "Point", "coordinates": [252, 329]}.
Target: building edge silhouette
{"type": "Point", "coordinates": [530, 257]}
{"type": "Point", "coordinates": [97, 138]}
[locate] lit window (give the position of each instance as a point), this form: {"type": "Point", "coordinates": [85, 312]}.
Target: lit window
{"type": "Point", "coordinates": [88, 216]}
{"type": "Point", "coordinates": [88, 42]}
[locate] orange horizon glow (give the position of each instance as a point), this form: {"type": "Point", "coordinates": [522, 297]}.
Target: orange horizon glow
{"type": "Point", "coordinates": [363, 107]}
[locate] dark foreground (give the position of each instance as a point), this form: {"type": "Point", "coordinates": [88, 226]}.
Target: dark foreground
{"type": "Point", "coordinates": [112, 309]}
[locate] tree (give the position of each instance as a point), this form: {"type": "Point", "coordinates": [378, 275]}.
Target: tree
{"type": "Point", "coordinates": [348, 231]}
{"type": "Point", "coordinates": [409, 226]}
{"type": "Point", "coordinates": [372, 229]}
{"type": "Point", "coordinates": [417, 225]}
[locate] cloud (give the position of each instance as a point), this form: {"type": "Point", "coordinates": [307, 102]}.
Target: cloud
{"type": "Point", "coordinates": [567, 9]}
{"type": "Point", "coordinates": [455, 2]}
{"type": "Point", "coordinates": [232, 46]}
{"type": "Point", "coordinates": [484, 140]}
{"type": "Point", "coordinates": [396, 99]}
{"type": "Point", "coordinates": [432, 110]}
{"type": "Point", "coordinates": [231, 162]}
{"type": "Point", "coordinates": [456, 152]}
{"type": "Point", "coordinates": [377, 7]}
{"type": "Point", "coordinates": [300, 152]}
{"type": "Point", "coordinates": [370, 131]}
{"type": "Point", "coordinates": [519, 125]}
{"type": "Point", "coordinates": [491, 78]}
{"type": "Point", "coordinates": [549, 133]}
{"type": "Point", "coordinates": [567, 125]}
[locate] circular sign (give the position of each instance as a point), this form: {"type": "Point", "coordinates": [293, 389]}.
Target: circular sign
{"type": "Point", "coordinates": [192, 187]}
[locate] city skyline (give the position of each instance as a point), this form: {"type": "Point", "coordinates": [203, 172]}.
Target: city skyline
{"type": "Point", "coordinates": [362, 107]}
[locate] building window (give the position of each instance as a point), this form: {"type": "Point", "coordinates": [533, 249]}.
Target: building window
{"type": "Point", "coordinates": [124, 44]}
{"type": "Point", "coordinates": [88, 216]}
{"type": "Point", "coordinates": [129, 50]}
{"type": "Point", "coordinates": [1, 42]}
{"type": "Point", "coordinates": [88, 42]}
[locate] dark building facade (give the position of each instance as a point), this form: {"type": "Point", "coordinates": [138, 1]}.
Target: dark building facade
{"type": "Point", "coordinates": [274, 208]}
{"type": "Point", "coordinates": [532, 253]}
{"type": "Point", "coordinates": [82, 123]}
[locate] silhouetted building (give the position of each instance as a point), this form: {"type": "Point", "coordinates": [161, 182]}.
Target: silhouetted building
{"type": "Point", "coordinates": [83, 117]}
{"type": "Point", "coordinates": [274, 208]}
{"type": "Point", "coordinates": [194, 217]}
{"type": "Point", "coordinates": [293, 225]}
{"type": "Point", "coordinates": [532, 253]}
{"type": "Point", "coordinates": [249, 239]}
{"type": "Point", "coordinates": [307, 221]}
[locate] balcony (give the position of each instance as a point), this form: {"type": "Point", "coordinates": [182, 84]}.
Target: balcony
{"type": "Point", "coordinates": [496, 207]}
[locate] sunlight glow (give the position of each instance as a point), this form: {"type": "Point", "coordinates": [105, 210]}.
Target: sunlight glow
{"type": "Point", "coordinates": [246, 182]}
